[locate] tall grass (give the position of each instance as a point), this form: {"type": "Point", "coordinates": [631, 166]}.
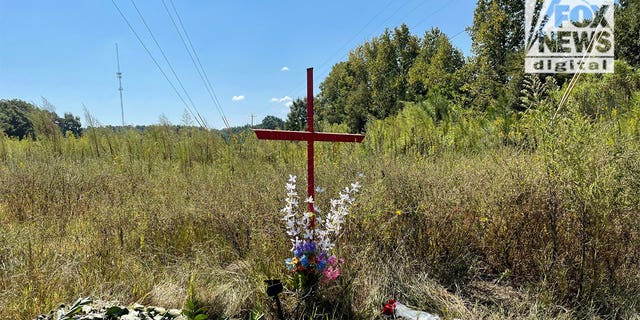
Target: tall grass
{"type": "Point", "coordinates": [458, 216]}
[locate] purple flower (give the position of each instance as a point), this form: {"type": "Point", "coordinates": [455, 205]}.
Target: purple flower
{"type": "Point", "coordinates": [322, 256]}
{"type": "Point", "coordinates": [299, 249]}
{"type": "Point", "coordinates": [309, 247]}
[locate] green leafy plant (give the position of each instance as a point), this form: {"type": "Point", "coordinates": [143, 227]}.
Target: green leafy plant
{"type": "Point", "coordinates": [75, 308]}
{"type": "Point", "coordinates": [192, 308]}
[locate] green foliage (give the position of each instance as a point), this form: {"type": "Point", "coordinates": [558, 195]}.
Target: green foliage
{"type": "Point", "coordinates": [385, 72]}
{"type": "Point", "coordinates": [498, 37]}
{"type": "Point", "coordinates": [297, 117]}
{"type": "Point", "coordinates": [534, 91]}
{"type": "Point", "coordinates": [116, 312]}
{"type": "Point", "coordinates": [68, 314]}
{"type": "Point", "coordinates": [24, 120]}
{"type": "Point", "coordinates": [627, 31]}
{"type": "Point", "coordinates": [192, 307]}
{"type": "Point", "coordinates": [272, 122]}
{"type": "Point", "coordinates": [14, 119]}
{"type": "Point", "coordinates": [598, 95]}
{"type": "Point", "coordinates": [70, 124]}
{"type": "Point", "coordinates": [435, 66]}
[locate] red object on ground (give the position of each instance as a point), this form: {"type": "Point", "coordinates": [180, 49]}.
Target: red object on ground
{"type": "Point", "coordinates": [310, 136]}
{"type": "Point", "coordinates": [389, 308]}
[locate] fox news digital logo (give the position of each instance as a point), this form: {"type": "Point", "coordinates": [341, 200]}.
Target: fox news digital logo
{"type": "Point", "coordinates": [569, 36]}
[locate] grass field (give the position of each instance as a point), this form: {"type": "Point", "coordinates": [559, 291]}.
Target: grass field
{"type": "Point", "coordinates": [462, 219]}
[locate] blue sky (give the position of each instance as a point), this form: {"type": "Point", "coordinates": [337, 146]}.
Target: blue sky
{"type": "Point", "coordinates": [254, 53]}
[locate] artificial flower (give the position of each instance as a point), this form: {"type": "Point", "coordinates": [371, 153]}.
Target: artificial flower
{"type": "Point", "coordinates": [304, 261]}
{"type": "Point", "coordinates": [389, 308]}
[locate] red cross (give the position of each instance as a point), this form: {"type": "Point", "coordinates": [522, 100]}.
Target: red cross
{"type": "Point", "coordinates": [310, 136]}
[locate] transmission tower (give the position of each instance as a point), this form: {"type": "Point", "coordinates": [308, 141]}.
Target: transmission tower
{"type": "Point", "coordinates": [119, 75]}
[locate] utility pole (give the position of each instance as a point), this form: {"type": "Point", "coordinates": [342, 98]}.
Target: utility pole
{"type": "Point", "coordinates": [119, 75]}
{"type": "Point", "coordinates": [252, 116]}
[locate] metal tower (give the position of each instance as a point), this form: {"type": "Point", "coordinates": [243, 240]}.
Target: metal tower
{"type": "Point", "coordinates": [119, 75]}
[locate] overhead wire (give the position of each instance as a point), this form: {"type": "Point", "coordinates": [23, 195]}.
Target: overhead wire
{"type": "Point", "coordinates": [164, 74]}
{"type": "Point", "coordinates": [166, 59]}
{"type": "Point", "coordinates": [355, 35]}
{"type": "Point", "coordinates": [324, 70]}
{"type": "Point", "coordinates": [196, 61]}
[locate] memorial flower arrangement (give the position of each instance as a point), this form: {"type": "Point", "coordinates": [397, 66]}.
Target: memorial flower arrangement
{"type": "Point", "coordinates": [312, 237]}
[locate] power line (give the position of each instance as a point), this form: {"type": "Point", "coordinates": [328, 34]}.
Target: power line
{"type": "Point", "coordinates": [167, 61]}
{"type": "Point", "coordinates": [449, 2]}
{"type": "Point", "coordinates": [219, 106]}
{"type": "Point", "coordinates": [164, 74]}
{"type": "Point", "coordinates": [198, 65]}
{"type": "Point", "coordinates": [322, 70]}
{"type": "Point", "coordinates": [354, 36]}
{"type": "Point", "coordinates": [325, 70]}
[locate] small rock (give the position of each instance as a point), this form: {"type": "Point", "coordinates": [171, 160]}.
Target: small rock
{"type": "Point", "coordinates": [86, 309]}
{"type": "Point", "coordinates": [130, 316]}
{"type": "Point", "coordinates": [175, 312]}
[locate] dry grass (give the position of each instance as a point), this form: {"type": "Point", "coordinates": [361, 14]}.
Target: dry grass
{"type": "Point", "coordinates": [492, 234]}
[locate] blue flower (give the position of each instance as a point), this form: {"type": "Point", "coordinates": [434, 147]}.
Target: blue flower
{"type": "Point", "coordinates": [289, 264]}
{"type": "Point", "coordinates": [321, 264]}
{"type": "Point", "coordinates": [304, 261]}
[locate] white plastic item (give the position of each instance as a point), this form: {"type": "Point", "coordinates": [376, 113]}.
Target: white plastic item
{"type": "Point", "coordinates": [408, 313]}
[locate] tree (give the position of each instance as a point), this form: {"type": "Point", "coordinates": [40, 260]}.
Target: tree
{"type": "Point", "coordinates": [498, 40]}
{"type": "Point", "coordinates": [627, 32]}
{"type": "Point", "coordinates": [14, 118]}
{"type": "Point", "coordinates": [435, 65]}
{"type": "Point", "coordinates": [334, 92]}
{"type": "Point", "coordinates": [45, 124]}
{"type": "Point", "coordinates": [297, 117]}
{"type": "Point", "coordinates": [272, 122]}
{"type": "Point", "coordinates": [372, 83]}
{"type": "Point", "coordinates": [387, 80]}
{"type": "Point", "coordinates": [70, 123]}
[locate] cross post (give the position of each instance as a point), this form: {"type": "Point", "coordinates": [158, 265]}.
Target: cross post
{"type": "Point", "coordinates": [310, 136]}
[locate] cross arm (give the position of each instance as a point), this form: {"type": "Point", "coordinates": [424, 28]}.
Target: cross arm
{"type": "Point", "coordinates": [264, 134]}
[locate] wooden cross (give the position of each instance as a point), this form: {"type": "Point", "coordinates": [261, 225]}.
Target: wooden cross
{"type": "Point", "coordinates": [310, 136]}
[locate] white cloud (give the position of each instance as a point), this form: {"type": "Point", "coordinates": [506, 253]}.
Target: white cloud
{"type": "Point", "coordinates": [237, 98]}
{"type": "Point", "coordinates": [285, 68]}
{"type": "Point", "coordinates": [285, 101]}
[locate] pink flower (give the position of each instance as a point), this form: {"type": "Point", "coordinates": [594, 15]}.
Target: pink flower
{"type": "Point", "coordinates": [332, 260]}
{"type": "Point", "coordinates": [330, 273]}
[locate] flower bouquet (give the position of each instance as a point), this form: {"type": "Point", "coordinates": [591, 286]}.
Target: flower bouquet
{"type": "Point", "coordinates": [312, 237]}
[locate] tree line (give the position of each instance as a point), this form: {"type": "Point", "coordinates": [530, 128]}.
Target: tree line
{"type": "Point", "coordinates": [25, 120]}
{"type": "Point", "coordinates": [382, 75]}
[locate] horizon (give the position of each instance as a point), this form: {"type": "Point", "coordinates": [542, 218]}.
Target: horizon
{"type": "Point", "coordinates": [255, 55]}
